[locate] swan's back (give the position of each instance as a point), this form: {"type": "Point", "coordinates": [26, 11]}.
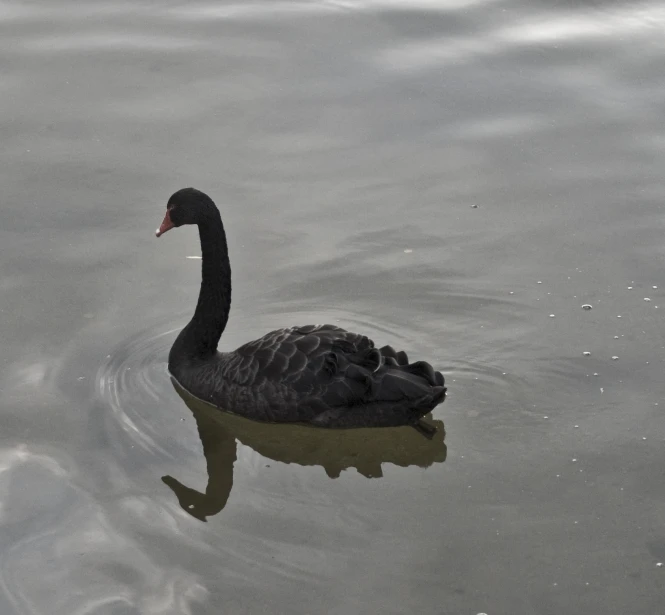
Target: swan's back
{"type": "Point", "coordinates": [319, 374]}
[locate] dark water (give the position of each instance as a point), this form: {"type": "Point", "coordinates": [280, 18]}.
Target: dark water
{"type": "Point", "coordinates": [348, 145]}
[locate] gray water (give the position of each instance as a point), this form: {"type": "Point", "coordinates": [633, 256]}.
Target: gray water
{"type": "Point", "coordinates": [443, 176]}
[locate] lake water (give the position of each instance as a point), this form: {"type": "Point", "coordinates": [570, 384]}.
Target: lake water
{"type": "Point", "coordinates": [454, 178]}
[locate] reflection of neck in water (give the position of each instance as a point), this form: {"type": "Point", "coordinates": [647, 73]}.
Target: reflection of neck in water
{"type": "Point", "coordinates": [335, 450]}
{"type": "Point", "coordinates": [219, 449]}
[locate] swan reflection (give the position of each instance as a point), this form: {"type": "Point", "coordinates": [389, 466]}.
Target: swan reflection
{"type": "Point", "coordinates": [335, 450]}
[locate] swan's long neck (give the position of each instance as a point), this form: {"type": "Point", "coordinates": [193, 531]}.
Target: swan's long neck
{"type": "Point", "coordinates": [200, 337]}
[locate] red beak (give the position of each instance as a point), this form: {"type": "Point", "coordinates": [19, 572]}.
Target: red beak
{"type": "Point", "coordinates": [167, 225]}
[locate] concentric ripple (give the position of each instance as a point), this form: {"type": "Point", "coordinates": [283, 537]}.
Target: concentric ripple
{"type": "Point", "coordinates": [135, 384]}
{"type": "Point", "coordinates": [484, 386]}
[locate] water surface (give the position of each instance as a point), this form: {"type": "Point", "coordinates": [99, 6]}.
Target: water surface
{"type": "Point", "coordinates": [455, 178]}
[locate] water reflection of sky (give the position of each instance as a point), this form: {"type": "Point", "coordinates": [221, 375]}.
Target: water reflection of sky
{"type": "Point", "coordinates": [335, 136]}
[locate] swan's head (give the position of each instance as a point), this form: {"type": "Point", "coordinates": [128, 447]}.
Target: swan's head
{"type": "Point", "coordinates": [187, 206]}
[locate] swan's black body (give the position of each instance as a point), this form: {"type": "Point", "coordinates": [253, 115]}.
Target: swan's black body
{"type": "Point", "coordinates": [317, 374]}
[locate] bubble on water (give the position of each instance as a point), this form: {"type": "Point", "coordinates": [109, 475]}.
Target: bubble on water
{"type": "Point", "coordinates": [615, 358]}
{"type": "Point", "coordinates": [408, 251]}
{"type": "Point", "coordinates": [586, 353]}
{"type": "Point", "coordinates": [587, 306]}
{"type": "Point", "coordinates": [616, 337]}
{"type": "Point", "coordinates": [511, 292]}
{"type": "Point", "coordinates": [595, 373]}
{"type": "Point", "coordinates": [630, 288]}
{"type": "Point", "coordinates": [474, 206]}
{"type": "Point", "coordinates": [659, 564]}
{"type": "Point", "coordinates": [551, 315]}
{"type": "Point", "coordinates": [602, 390]}
{"type": "Point", "coordinates": [647, 299]}
{"type": "Point", "coordinates": [539, 282]}
{"type": "Point", "coordinates": [619, 316]}
{"type": "Point", "coordinates": [654, 287]}
{"type": "Point", "coordinates": [644, 437]}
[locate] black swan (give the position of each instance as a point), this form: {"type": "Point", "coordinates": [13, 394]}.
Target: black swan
{"type": "Point", "coordinates": [321, 375]}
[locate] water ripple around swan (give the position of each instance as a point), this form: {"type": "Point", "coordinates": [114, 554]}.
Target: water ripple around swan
{"type": "Point", "coordinates": [133, 382]}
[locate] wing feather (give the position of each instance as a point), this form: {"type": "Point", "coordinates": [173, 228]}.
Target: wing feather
{"type": "Point", "coordinates": [326, 375]}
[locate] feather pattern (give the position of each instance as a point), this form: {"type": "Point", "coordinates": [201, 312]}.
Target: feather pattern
{"type": "Point", "coordinates": [319, 374]}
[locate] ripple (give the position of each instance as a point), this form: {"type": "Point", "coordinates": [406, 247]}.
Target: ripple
{"type": "Point", "coordinates": [256, 10]}
{"type": "Point", "coordinates": [134, 384]}
{"type": "Point", "coordinates": [634, 21]}
{"type": "Point", "coordinates": [62, 551]}
{"type": "Point", "coordinates": [134, 381]}
{"type": "Point", "coordinates": [483, 386]}
{"type": "Point", "coordinates": [111, 41]}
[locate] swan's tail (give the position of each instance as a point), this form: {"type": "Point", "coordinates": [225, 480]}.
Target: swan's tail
{"type": "Point", "coordinates": [417, 382]}
{"type": "Point", "coordinates": [380, 387]}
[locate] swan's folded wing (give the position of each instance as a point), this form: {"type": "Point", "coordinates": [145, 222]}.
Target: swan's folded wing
{"type": "Point", "coordinates": [301, 358]}
{"type": "Point", "coordinates": [330, 377]}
